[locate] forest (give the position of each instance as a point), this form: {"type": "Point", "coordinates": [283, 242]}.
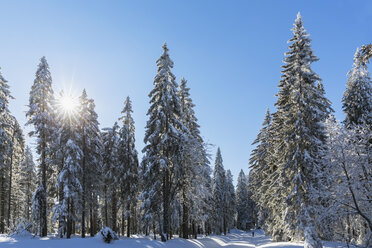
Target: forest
{"type": "Point", "coordinates": [309, 179]}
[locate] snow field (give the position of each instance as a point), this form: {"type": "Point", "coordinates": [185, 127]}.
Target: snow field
{"type": "Point", "coordinates": [236, 239]}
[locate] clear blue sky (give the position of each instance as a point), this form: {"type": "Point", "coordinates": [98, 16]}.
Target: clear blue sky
{"type": "Point", "coordinates": [229, 51]}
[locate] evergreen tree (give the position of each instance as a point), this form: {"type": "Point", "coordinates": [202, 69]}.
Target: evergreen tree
{"type": "Point", "coordinates": [230, 202]}
{"type": "Point", "coordinates": [41, 116]}
{"type": "Point", "coordinates": [163, 150]}
{"type": "Point", "coordinates": [242, 201]}
{"type": "Point", "coordinates": [262, 165]}
{"type": "Point", "coordinates": [5, 148]}
{"type": "Point", "coordinates": [194, 192]}
{"type": "Point", "coordinates": [11, 154]}
{"type": "Point", "coordinates": [15, 159]}
{"type": "Point", "coordinates": [90, 145]}
{"type": "Point", "coordinates": [111, 175]}
{"type": "Point", "coordinates": [357, 100]}
{"type": "Point", "coordinates": [252, 205]}
{"type": "Point", "coordinates": [219, 194]}
{"type": "Point", "coordinates": [69, 178]}
{"type": "Point", "coordinates": [300, 141]}
{"type": "Point", "coordinates": [128, 161]}
{"type": "Point", "coordinates": [27, 182]}
{"type": "Point", "coordinates": [38, 199]}
{"type": "Point", "coordinates": [366, 53]}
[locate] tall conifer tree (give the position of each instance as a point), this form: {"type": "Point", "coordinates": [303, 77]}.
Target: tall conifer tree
{"type": "Point", "coordinates": [230, 202]}
{"type": "Point", "coordinates": [28, 182]}
{"type": "Point", "coordinates": [242, 201]}
{"type": "Point", "coordinates": [164, 134]}
{"type": "Point", "coordinates": [128, 161]}
{"type": "Point", "coordinates": [91, 147]}
{"type": "Point", "coordinates": [219, 194]}
{"type": "Point", "coordinates": [6, 145]}
{"type": "Point", "coordinates": [41, 116]}
{"type": "Point", "coordinates": [194, 174]}
{"type": "Point", "coordinates": [300, 140]}
{"type": "Point", "coordinates": [357, 100]}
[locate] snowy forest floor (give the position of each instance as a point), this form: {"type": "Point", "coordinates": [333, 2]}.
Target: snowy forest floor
{"type": "Point", "coordinates": [235, 239]}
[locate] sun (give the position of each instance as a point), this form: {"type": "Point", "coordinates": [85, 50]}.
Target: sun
{"type": "Point", "coordinates": [67, 105]}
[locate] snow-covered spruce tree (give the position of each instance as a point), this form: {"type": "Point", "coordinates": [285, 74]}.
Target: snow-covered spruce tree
{"type": "Point", "coordinates": [206, 209]}
{"type": "Point", "coordinates": [41, 116]}
{"type": "Point", "coordinates": [37, 206]}
{"type": "Point", "coordinates": [300, 142]}
{"type": "Point", "coordinates": [5, 148]}
{"type": "Point", "coordinates": [59, 155]}
{"type": "Point", "coordinates": [230, 203]}
{"type": "Point", "coordinates": [261, 165]}
{"type": "Point", "coordinates": [15, 193]}
{"type": "Point", "coordinates": [242, 201]}
{"type": "Point", "coordinates": [194, 174]}
{"type": "Point", "coordinates": [201, 211]}
{"type": "Point", "coordinates": [91, 146]}
{"type": "Point", "coordinates": [357, 99]}
{"type": "Point", "coordinates": [128, 163]}
{"type": "Point", "coordinates": [111, 175]}
{"type": "Point", "coordinates": [219, 194]}
{"type": "Point", "coordinates": [11, 155]}
{"type": "Point", "coordinates": [350, 215]}
{"type": "Point", "coordinates": [366, 54]}
{"type": "Point", "coordinates": [27, 182]}
{"type": "Point", "coordinates": [252, 205]}
{"type": "Point", "coordinates": [188, 166]}
{"type": "Point", "coordinates": [69, 178]}
{"type": "Point", "coordinates": [165, 134]}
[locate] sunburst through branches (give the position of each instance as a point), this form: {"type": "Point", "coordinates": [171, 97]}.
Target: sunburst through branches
{"type": "Point", "coordinates": [68, 106]}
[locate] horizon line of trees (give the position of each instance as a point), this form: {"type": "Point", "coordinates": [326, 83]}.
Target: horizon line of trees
{"type": "Point", "coordinates": [88, 178]}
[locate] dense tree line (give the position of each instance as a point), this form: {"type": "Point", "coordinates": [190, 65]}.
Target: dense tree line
{"type": "Point", "coordinates": [87, 178]}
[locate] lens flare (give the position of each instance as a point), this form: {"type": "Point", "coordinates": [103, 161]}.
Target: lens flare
{"type": "Point", "coordinates": [67, 106]}
{"type": "Point", "coordinates": [68, 103]}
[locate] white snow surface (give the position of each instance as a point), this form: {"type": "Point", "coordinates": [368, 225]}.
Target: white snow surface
{"type": "Point", "coordinates": [236, 239]}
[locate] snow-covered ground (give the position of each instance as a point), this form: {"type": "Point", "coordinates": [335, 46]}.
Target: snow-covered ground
{"type": "Point", "coordinates": [236, 239]}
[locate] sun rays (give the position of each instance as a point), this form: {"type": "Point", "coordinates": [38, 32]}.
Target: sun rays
{"type": "Point", "coordinates": [67, 106]}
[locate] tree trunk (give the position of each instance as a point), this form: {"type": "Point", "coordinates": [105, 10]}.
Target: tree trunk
{"type": "Point", "coordinates": [134, 221]}
{"type": "Point", "coordinates": [128, 224]}
{"type": "Point", "coordinates": [28, 200]}
{"type": "Point", "coordinates": [113, 212]}
{"type": "Point", "coordinates": [61, 219]}
{"type": "Point", "coordinates": [2, 202]}
{"type": "Point", "coordinates": [93, 224]}
{"type": "Point", "coordinates": [91, 219]}
{"type": "Point", "coordinates": [72, 221]}
{"type": "Point", "coordinates": [122, 224]}
{"type": "Point", "coordinates": [43, 221]}
{"type": "Point", "coordinates": [95, 218]}
{"type": "Point", "coordinates": [10, 182]}
{"type": "Point", "coordinates": [73, 229]}
{"type": "Point", "coordinates": [84, 191]}
{"type": "Point", "coordinates": [224, 226]}
{"type": "Point", "coordinates": [164, 235]}
{"type": "Point", "coordinates": [194, 230]}
{"type": "Point", "coordinates": [106, 205]}
{"type": "Point", "coordinates": [185, 219]}
{"type": "Point", "coordinates": [69, 224]}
